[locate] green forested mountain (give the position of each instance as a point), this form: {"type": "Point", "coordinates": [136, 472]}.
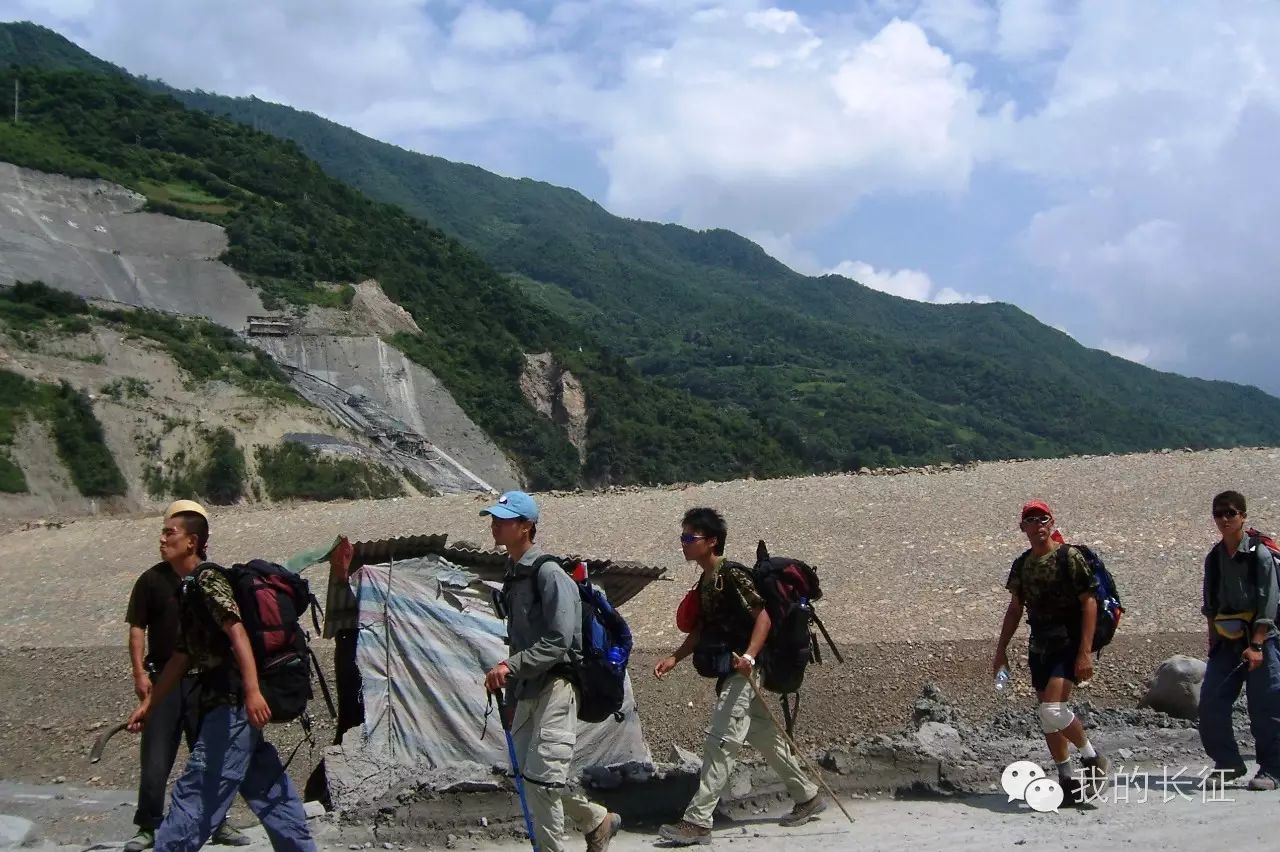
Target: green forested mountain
{"type": "Point", "coordinates": [290, 226]}
{"type": "Point", "coordinates": [837, 374]}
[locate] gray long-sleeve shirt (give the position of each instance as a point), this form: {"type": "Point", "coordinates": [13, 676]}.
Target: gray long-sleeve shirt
{"type": "Point", "coordinates": [544, 622]}
{"type": "Point", "coordinates": [1240, 587]}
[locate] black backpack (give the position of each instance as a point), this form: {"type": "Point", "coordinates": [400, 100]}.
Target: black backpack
{"type": "Point", "coordinates": [601, 674]}
{"type": "Point", "coordinates": [789, 588]}
{"type": "Point", "coordinates": [272, 601]}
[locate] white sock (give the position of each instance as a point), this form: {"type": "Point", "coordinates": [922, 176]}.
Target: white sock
{"type": "Point", "coordinates": [1064, 769]}
{"type": "Point", "coordinates": [1087, 751]}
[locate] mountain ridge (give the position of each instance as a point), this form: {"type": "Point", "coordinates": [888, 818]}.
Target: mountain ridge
{"type": "Point", "coordinates": [841, 376]}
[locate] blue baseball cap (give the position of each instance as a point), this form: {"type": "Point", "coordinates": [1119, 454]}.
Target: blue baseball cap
{"type": "Point", "coordinates": [514, 504]}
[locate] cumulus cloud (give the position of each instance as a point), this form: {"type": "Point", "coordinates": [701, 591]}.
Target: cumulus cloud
{"type": "Point", "coordinates": [1164, 161]}
{"type": "Point", "coordinates": [1139, 353]}
{"type": "Point", "coordinates": [757, 122]}
{"type": "Point", "coordinates": [906, 283]}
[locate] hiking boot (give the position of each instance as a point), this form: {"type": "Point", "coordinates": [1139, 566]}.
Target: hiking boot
{"type": "Point", "coordinates": [1097, 775]}
{"type": "Point", "coordinates": [685, 833]}
{"type": "Point", "coordinates": [1262, 783]}
{"type": "Point", "coordinates": [228, 836]}
{"type": "Point", "coordinates": [598, 838]}
{"type": "Point", "coordinates": [144, 839]}
{"type": "Point", "coordinates": [804, 812]}
{"type": "Point", "coordinates": [1073, 792]}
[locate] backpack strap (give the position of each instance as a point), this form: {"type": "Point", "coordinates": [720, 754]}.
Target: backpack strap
{"type": "Point", "coordinates": [537, 568]}
{"type": "Point", "coordinates": [1064, 564]}
{"type": "Point", "coordinates": [1211, 578]}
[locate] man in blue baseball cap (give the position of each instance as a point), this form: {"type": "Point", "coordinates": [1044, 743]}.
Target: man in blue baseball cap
{"type": "Point", "coordinates": [544, 636]}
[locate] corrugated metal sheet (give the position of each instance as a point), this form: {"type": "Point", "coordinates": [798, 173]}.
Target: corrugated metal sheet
{"type": "Point", "coordinates": [621, 580]}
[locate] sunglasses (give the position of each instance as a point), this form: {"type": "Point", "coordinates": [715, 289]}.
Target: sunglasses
{"type": "Point", "coordinates": [1037, 520]}
{"type": "Point", "coordinates": [690, 538]}
{"type": "Point", "coordinates": [1225, 513]}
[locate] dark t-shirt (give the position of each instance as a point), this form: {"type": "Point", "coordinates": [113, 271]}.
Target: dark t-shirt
{"type": "Point", "coordinates": [154, 606]}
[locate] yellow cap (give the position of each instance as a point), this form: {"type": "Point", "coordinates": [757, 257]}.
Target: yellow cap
{"type": "Point", "coordinates": [185, 506]}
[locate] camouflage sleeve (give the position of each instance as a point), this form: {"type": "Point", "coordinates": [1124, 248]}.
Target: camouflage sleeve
{"type": "Point", "coordinates": [745, 588]}
{"type": "Point", "coordinates": [1082, 578]}
{"type": "Point", "coordinates": [1014, 583]}
{"type": "Point", "coordinates": [218, 596]}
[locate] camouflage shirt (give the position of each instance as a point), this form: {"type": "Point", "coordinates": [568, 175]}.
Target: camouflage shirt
{"type": "Point", "coordinates": [1053, 606]}
{"type": "Point", "coordinates": [201, 637]}
{"type": "Point", "coordinates": [729, 601]}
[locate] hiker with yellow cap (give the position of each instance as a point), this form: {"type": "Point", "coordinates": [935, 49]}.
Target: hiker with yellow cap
{"type": "Point", "coordinates": [229, 754]}
{"type": "Point", "coordinates": [152, 615]}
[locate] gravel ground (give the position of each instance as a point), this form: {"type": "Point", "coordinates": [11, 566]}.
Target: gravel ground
{"type": "Point", "coordinates": [920, 555]}
{"type": "Point", "coordinates": [913, 566]}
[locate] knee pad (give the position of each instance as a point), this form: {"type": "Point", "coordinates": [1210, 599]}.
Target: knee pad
{"type": "Point", "coordinates": [1055, 716]}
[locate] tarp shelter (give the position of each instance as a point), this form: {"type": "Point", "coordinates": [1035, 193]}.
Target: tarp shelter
{"type": "Point", "coordinates": [427, 634]}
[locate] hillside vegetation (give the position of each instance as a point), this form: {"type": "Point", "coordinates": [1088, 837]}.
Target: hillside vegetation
{"type": "Point", "coordinates": [831, 374]}
{"type": "Point", "coordinates": [290, 226]}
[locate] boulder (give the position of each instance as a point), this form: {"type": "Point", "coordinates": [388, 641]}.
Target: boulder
{"type": "Point", "coordinates": [1175, 687]}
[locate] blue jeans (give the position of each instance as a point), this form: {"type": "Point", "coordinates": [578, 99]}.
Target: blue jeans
{"type": "Point", "coordinates": [1221, 687]}
{"type": "Point", "coordinates": [232, 756]}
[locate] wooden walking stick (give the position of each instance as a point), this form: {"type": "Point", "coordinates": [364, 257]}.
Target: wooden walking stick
{"type": "Point", "coordinates": [817, 774]}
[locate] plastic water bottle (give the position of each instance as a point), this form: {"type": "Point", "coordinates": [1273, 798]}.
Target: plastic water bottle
{"type": "Point", "coordinates": [1002, 678]}
{"type": "Point", "coordinates": [616, 656]}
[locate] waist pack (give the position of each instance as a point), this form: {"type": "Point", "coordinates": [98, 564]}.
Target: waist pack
{"type": "Point", "coordinates": [272, 601]}
{"type": "Point", "coordinates": [1237, 625]}
{"type": "Point", "coordinates": [1234, 625]}
{"type": "Point", "coordinates": [600, 674]}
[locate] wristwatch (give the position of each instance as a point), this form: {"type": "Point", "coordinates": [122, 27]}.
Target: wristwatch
{"type": "Point", "coordinates": [1257, 646]}
{"type": "Point", "coordinates": [750, 659]}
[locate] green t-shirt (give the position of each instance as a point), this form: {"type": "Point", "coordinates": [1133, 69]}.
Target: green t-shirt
{"type": "Point", "coordinates": [1052, 601]}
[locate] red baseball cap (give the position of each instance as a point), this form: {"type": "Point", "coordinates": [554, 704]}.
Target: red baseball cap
{"type": "Point", "coordinates": [1036, 506]}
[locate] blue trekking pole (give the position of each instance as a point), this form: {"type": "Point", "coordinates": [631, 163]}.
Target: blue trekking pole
{"type": "Point", "coordinates": [515, 767]}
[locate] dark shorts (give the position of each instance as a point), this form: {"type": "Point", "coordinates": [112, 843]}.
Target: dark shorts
{"type": "Point", "coordinates": [1050, 664]}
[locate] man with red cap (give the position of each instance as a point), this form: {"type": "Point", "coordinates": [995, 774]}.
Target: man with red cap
{"type": "Point", "coordinates": [1062, 612]}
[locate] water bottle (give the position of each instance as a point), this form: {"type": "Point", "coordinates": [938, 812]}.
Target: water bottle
{"type": "Point", "coordinates": [1002, 678]}
{"type": "Point", "coordinates": [616, 656]}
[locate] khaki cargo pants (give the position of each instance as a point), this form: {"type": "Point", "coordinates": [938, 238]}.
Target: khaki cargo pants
{"type": "Point", "coordinates": [739, 719]}
{"type": "Point", "coordinates": [545, 730]}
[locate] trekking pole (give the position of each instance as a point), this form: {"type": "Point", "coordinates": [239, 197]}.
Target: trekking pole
{"type": "Point", "coordinates": [515, 768]}
{"type": "Point", "coordinates": [755, 687]}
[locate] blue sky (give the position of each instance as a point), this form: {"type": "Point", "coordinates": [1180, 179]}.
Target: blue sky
{"type": "Point", "coordinates": [1107, 166]}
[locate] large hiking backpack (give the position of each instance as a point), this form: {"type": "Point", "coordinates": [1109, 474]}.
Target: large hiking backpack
{"type": "Point", "coordinates": [601, 673]}
{"type": "Point", "coordinates": [1107, 594]}
{"type": "Point", "coordinates": [789, 588]}
{"type": "Point", "coordinates": [272, 601]}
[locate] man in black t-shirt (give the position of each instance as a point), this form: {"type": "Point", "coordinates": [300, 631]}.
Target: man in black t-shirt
{"type": "Point", "coordinates": [153, 627]}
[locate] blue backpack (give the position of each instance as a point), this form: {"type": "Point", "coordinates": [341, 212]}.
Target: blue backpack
{"type": "Point", "coordinates": [601, 674]}
{"type": "Point", "coordinates": [1109, 606]}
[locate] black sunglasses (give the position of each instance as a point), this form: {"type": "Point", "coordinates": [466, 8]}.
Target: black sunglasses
{"type": "Point", "coordinates": [1225, 513]}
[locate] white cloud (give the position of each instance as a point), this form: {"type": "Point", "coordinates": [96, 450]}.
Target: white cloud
{"type": "Point", "coordinates": [778, 128]}
{"type": "Point", "coordinates": [1162, 154]}
{"type": "Point", "coordinates": [482, 28]}
{"type": "Point", "coordinates": [907, 283]}
{"type": "Point", "coordinates": [968, 26]}
{"type": "Point", "coordinates": [1139, 353]}
{"type": "Point", "coordinates": [1029, 28]}
{"type": "Point", "coordinates": [947, 296]}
